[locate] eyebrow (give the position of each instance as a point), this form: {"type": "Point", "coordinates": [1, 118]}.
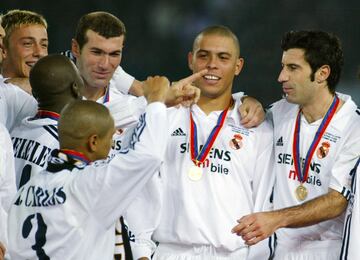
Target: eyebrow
{"type": "Point", "coordinates": [219, 53]}
{"type": "Point", "coordinates": [33, 38]}
{"type": "Point", "coordinates": [101, 50]}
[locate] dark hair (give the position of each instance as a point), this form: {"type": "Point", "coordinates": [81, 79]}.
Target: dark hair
{"type": "Point", "coordinates": [103, 23]}
{"type": "Point", "coordinates": [321, 48]}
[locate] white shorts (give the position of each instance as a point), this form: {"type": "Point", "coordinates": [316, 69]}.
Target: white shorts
{"type": "Point", "coordinates": [181, 252]}
{"type": "Point", "coordinates": [309, 250]}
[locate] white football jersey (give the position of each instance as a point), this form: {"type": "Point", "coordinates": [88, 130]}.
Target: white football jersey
{"type": "Point", "coordinates": [7, 181]}
{"type": "Point", "coordinates": [121, 80]}
{"type": "Point", "coordinates": [350, 248]}
{"type": "Point", "coordinates": [235, 178]}
{"type": "Point", "coordinates": [33, 140]}
{"type": "Point", "coordinates": [69, 210]}
{"type": "Point", "coordinates": [334, 157]}
{"type": "Point", "coordinates": [15, 105]}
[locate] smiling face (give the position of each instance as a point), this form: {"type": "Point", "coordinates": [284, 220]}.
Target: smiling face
{"type": "Point", "coordinates": [27, 44]}
{"type": "Point", "coordinates": [295, 77]}
{"type": "Point", "coordinates": [98, 58]}
{"type": "Point", "coordinates": [220, 55]}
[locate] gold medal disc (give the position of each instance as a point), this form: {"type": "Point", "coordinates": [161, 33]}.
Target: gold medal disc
{"type": "Point", "coordinates": [301, 192]}
{"type": "Point", "coordinates": [195, 173]}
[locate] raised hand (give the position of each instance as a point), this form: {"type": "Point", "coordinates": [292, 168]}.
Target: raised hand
{"type": "Point", "coordinates": [156, 89]}
{"type": "Point", "coordinates": [183, 92]}
{"type": "Point", "coordinates": [251, 112]}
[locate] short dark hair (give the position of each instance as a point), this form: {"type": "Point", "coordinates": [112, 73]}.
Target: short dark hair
{"type": "Point", "coordinates": [321, 48]}
{"type": "Point", "coordinates": [103, 23]}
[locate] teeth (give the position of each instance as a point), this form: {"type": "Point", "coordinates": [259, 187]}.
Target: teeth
{"type": "Point", "coordinates": [211, 77]}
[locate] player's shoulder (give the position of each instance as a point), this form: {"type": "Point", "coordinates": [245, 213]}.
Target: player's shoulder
{"type": "Point", "coordinates": [349, 112]}
{"type": "Point", "coordinates": [13, 93]}
{"type": "Point", "coordinates": [177, 111]}
{"type": "Point", "coordinates": [4, 135]}
{"type": "Point", "coordinates": [281, 105]}
{"type": "Point", "coordinates": [36, 129]}
{"type": "Point", "coordinates": [281, 111]}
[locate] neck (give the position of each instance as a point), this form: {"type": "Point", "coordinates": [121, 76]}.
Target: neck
{"type": "Point", "coordinates": [209, 105]}
{"type": "Point", "coordinates": [93, 94]}
{"type": "Point", "coordinates": [79, 150]}
{"type": "Point", "coordinates": [55, 104]}
{"type": "Point", "coordinates": [7, 73]}
{"type": "Point", "coordinates": [78, 155]}
{"type": "Point", "coordinates": [317, 109]}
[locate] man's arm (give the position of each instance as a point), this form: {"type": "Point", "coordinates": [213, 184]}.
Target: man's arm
{"type": "Point", "coordinates": [136, 88]}
{"type": "Point", "coordinates": [251, 112]}
{"type": "Point", "coordinates": [2, 251]}
{"type": "Point", "coordinates": [258, 226]}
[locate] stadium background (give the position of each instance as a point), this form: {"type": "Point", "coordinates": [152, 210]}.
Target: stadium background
{"type": "Point", "coordinates": [160, 33]}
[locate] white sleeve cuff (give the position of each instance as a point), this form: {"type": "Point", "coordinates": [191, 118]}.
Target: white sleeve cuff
{"type": "Point", "coordinates": [122, 80]}
{"type": "Point", "coordinates": [143, 248]}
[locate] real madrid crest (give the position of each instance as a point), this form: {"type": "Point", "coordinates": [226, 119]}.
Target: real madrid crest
{"type": "Point", "coordinates": [236, 142]}
{"type": "Point", "coordinates": [323, 150]}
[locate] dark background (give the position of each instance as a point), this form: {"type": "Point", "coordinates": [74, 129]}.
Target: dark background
{"type": "Point", "coordinates": [160, 33]}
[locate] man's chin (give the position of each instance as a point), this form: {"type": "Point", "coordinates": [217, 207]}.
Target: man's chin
{"type": "Point", "coordinates": [101, 83]}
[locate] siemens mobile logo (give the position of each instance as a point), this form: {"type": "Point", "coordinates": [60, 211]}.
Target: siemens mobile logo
{"type": "Point", "coordinates": [213, 154]}
{"type": "Point", "coordinates": [285, 158]}
{"type": "Point", "coordinates": [218, 167]}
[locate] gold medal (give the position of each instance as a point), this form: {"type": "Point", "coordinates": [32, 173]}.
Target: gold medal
{"type": "Point", "coordinates": [301, 192]}
{"type": "Point", "coordinates": [195, 173]}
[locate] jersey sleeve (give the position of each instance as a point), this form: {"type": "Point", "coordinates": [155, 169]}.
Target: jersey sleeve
{"type": "Point", "coordinates": [107, 189]}
{"type": "Point", "coordinates": [121, 80]}
{"type": "Point", "coordinates": [7, 180]}
{"type": "Point", "coordinates": [17, 103]}
{"type": "Point", "coordinates": [126, 110]}
{"type": "Point", "coordinates": [143, 217]}
{"type": "Point", "coordinates": [346, 159]}
{"type": "Point", "coordinates": [264, 175]}
{"type": "Point", "coordinates": [351, 234]}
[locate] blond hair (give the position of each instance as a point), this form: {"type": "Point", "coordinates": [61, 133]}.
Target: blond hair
{"type": "Point", "coordinates": [16, 18]}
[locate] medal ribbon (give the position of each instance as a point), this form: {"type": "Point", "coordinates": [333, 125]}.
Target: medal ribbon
{"type": "Point", "coordinates": [77, 156]}
{"type": "Point", "coordinates": [302, 176]}
{"type": "Point", "coordinates": [46, 114]}
{"type": "Point", "coordinates": [199, 157]}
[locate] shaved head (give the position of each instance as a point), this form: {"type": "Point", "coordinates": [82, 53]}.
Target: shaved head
{"type": "Point", "coordinates": [55, 81]}
{"type": "Point", "coordinates": [81, 119]}
{"type": "Point", "coordinates": [217, 30]}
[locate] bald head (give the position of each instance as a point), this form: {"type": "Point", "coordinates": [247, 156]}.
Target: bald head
{"type": "Point", "coordinates": [79, 121]}
{"type": "Point", "coordinates": [55, 81]}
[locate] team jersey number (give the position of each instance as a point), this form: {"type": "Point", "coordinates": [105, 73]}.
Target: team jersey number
{"type": "Point", "coordinates": [40, 234]}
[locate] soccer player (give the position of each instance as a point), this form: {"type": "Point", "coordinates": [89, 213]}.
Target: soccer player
{"type": "Point", "coordinates": [25, 42]}
{"type": "Point", "coordinates": [69, 210]}
{"type": "Point", "coordinates": [55, 82]}
{"type": "Point", "coordinates": [98, 51]}
{"type": "Point", "coordinates": [7, 185]}
{"type": "Point", "coordinates": [351, 235]}
{"type": "Point", "coordinates": [206, 181]}
{"type": "Point", "coordinates": [317, 142]}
